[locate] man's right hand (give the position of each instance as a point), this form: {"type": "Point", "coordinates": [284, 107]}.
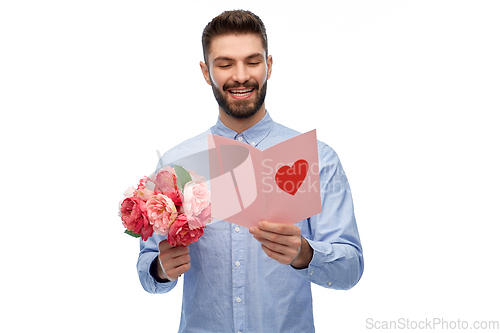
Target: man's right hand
{"type": "Point", "coordinates": [172, 261]}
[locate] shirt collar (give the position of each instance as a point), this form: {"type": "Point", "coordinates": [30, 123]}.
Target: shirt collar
{"type": "Point", "coordinates": [253, 136]}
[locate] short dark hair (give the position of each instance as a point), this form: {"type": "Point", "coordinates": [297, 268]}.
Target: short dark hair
{"type": "Point", "coordinates": [233, 22]}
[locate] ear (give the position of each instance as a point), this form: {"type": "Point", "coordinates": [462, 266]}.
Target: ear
{"type": "Point", "coordinates": [205, 72]}
{"type": "Point", "coordinates": [269, 66]}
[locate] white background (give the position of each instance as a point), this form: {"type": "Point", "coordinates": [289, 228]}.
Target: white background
{"type": "Point", "coordinates": [405, 91]}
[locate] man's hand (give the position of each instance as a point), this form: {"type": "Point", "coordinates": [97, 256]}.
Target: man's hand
{"type": "Point", "coordinates": [283, 243]}
{"type": "Point", "coordinates": [172, 261]}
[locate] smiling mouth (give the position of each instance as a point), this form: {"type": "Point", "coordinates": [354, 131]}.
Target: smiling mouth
{"type": "Point", "coordinates": [241, 93]}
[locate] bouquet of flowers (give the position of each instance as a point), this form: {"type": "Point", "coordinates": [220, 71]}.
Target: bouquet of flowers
{"type": "Point", "coordinates": [174, 203]}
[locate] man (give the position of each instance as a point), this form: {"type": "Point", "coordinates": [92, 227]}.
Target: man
{"type": "Point", "coordinates": [257, 279]}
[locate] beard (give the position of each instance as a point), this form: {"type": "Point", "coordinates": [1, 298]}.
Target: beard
{"type": "Point", "coordinates": [240, 109]}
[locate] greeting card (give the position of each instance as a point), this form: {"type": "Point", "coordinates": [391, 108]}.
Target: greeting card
{"type": "Point", "coordinates": [279, 184]}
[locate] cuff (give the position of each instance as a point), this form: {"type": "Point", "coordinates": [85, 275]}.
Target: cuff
{"type": "Point", "coordinates": [314, 272]}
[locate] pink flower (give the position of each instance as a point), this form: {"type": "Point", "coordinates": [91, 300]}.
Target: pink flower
{"type": "Point", "coordinates": [161, 212]}
{"type": "Point", "coordinates": [195, 177]}
{"type": "Point", "coordinates": [145, 189]}
{"type": "Point", "coordinates": [129, 192]}
{"type": "Point", "coordinates": [184, 231]}
{"type": "Point", "coordinates": [134, 217]}
{"type": "Point", "coordinates": [143, 194]}
{"type": "Point", "coordinates": [196, 197]}
{"type": "Point", "coordinates": [145, 182]}
{"type": "Point", "coordinates": [205, 216]}
{"type": "Point", "coordinates": [166, 180]}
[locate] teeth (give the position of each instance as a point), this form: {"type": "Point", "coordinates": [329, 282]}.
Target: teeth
{"type": "Point", "coordinates": [241, 92]}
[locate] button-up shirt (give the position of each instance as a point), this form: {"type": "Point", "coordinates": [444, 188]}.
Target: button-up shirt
{"type": "Point", "coordinates": [232, 285]}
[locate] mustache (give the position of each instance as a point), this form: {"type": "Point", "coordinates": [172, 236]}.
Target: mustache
{"type": "Point", "coordinates": [227, 86]}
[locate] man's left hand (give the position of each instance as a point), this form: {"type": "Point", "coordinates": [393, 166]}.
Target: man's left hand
{"type": "Point", "coordinates": [283, 243]}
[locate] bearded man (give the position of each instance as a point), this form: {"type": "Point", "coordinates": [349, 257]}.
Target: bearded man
{"type": "Point", "coordinates": [258, 279]}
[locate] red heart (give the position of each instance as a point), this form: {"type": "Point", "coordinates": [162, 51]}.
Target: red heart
{"type": "Point", "coordinates": [289, 179]}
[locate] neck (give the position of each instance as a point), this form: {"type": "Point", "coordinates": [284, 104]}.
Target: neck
{"type": "Point", "coordinates": [241, 125]}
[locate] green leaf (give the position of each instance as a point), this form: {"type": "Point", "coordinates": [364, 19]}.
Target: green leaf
{"type": "Point", "coordinates": [183, 177]}
{"type": "Point", "coordinates": [133, 234]}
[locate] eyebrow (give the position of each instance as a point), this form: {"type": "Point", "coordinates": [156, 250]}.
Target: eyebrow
{"type": "Point", "coordinates": [255, 55]}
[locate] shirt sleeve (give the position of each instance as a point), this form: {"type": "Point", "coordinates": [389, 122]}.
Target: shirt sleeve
{"type": "Point", "coordinates": [148, 253]}
{"type": "Point", "coordinates": [337, 261]}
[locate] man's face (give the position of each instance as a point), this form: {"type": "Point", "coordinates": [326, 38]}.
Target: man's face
{"type": "Point", "coordinates": [238, 71]}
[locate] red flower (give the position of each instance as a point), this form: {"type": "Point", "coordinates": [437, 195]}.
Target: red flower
{"type": "Point", "coordinates": [185, 230]}
{"type": "Point", "coordinates": [176, 197]}
{"type": "Point", "coordinates": [134, 217]}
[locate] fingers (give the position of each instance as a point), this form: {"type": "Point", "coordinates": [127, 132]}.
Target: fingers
{"type": "Point", "coordinates": [281, 242]}
{"type": "Point", "coordinates": [285, 257]}
{"type": "Point", "coordinates": [287, 246]}
{"type": "Point", "coordinates": [284, 234]}
{"type": "Point", "coordinates": [173, 260]}
{"type": "Point", "coordinates": [279, 228]}
{"type": "Point", "coordinates": [174, 273]}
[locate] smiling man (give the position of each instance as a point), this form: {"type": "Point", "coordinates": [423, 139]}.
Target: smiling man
{"type": "Point", "coordinates": [237, 67]}
{"type": "Point", "coordinates": [257, 279]}
{"type": "Point", "coordinates": [240, 76]}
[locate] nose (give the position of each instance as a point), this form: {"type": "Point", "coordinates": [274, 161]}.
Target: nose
{"type": "Point", "coordinates": [241, 73]}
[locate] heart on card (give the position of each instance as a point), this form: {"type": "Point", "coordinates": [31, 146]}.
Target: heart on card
{"type": "Point", "coordinates": [289, 178]}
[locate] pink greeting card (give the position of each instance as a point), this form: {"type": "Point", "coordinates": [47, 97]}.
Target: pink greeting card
{"type": "Point", "coordinates": [279, 184]}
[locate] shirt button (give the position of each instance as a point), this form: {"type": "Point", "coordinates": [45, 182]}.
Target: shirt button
{"type": "Point", "coordinates": [253, 143]}
{"type": "Point", "coordinates": [237, 229]}
{"type": "Point", "coordinates": [238, 299]}
{"type": "Point", "coordinates": [240, 138]}
{"type": "Point", "coordinates": [237, 264]}
{"type": "Point", "coordinates": [329, 283]}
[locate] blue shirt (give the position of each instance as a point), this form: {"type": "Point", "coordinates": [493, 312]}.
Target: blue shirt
{"type": "Point", "coordinates": [232, 285]}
